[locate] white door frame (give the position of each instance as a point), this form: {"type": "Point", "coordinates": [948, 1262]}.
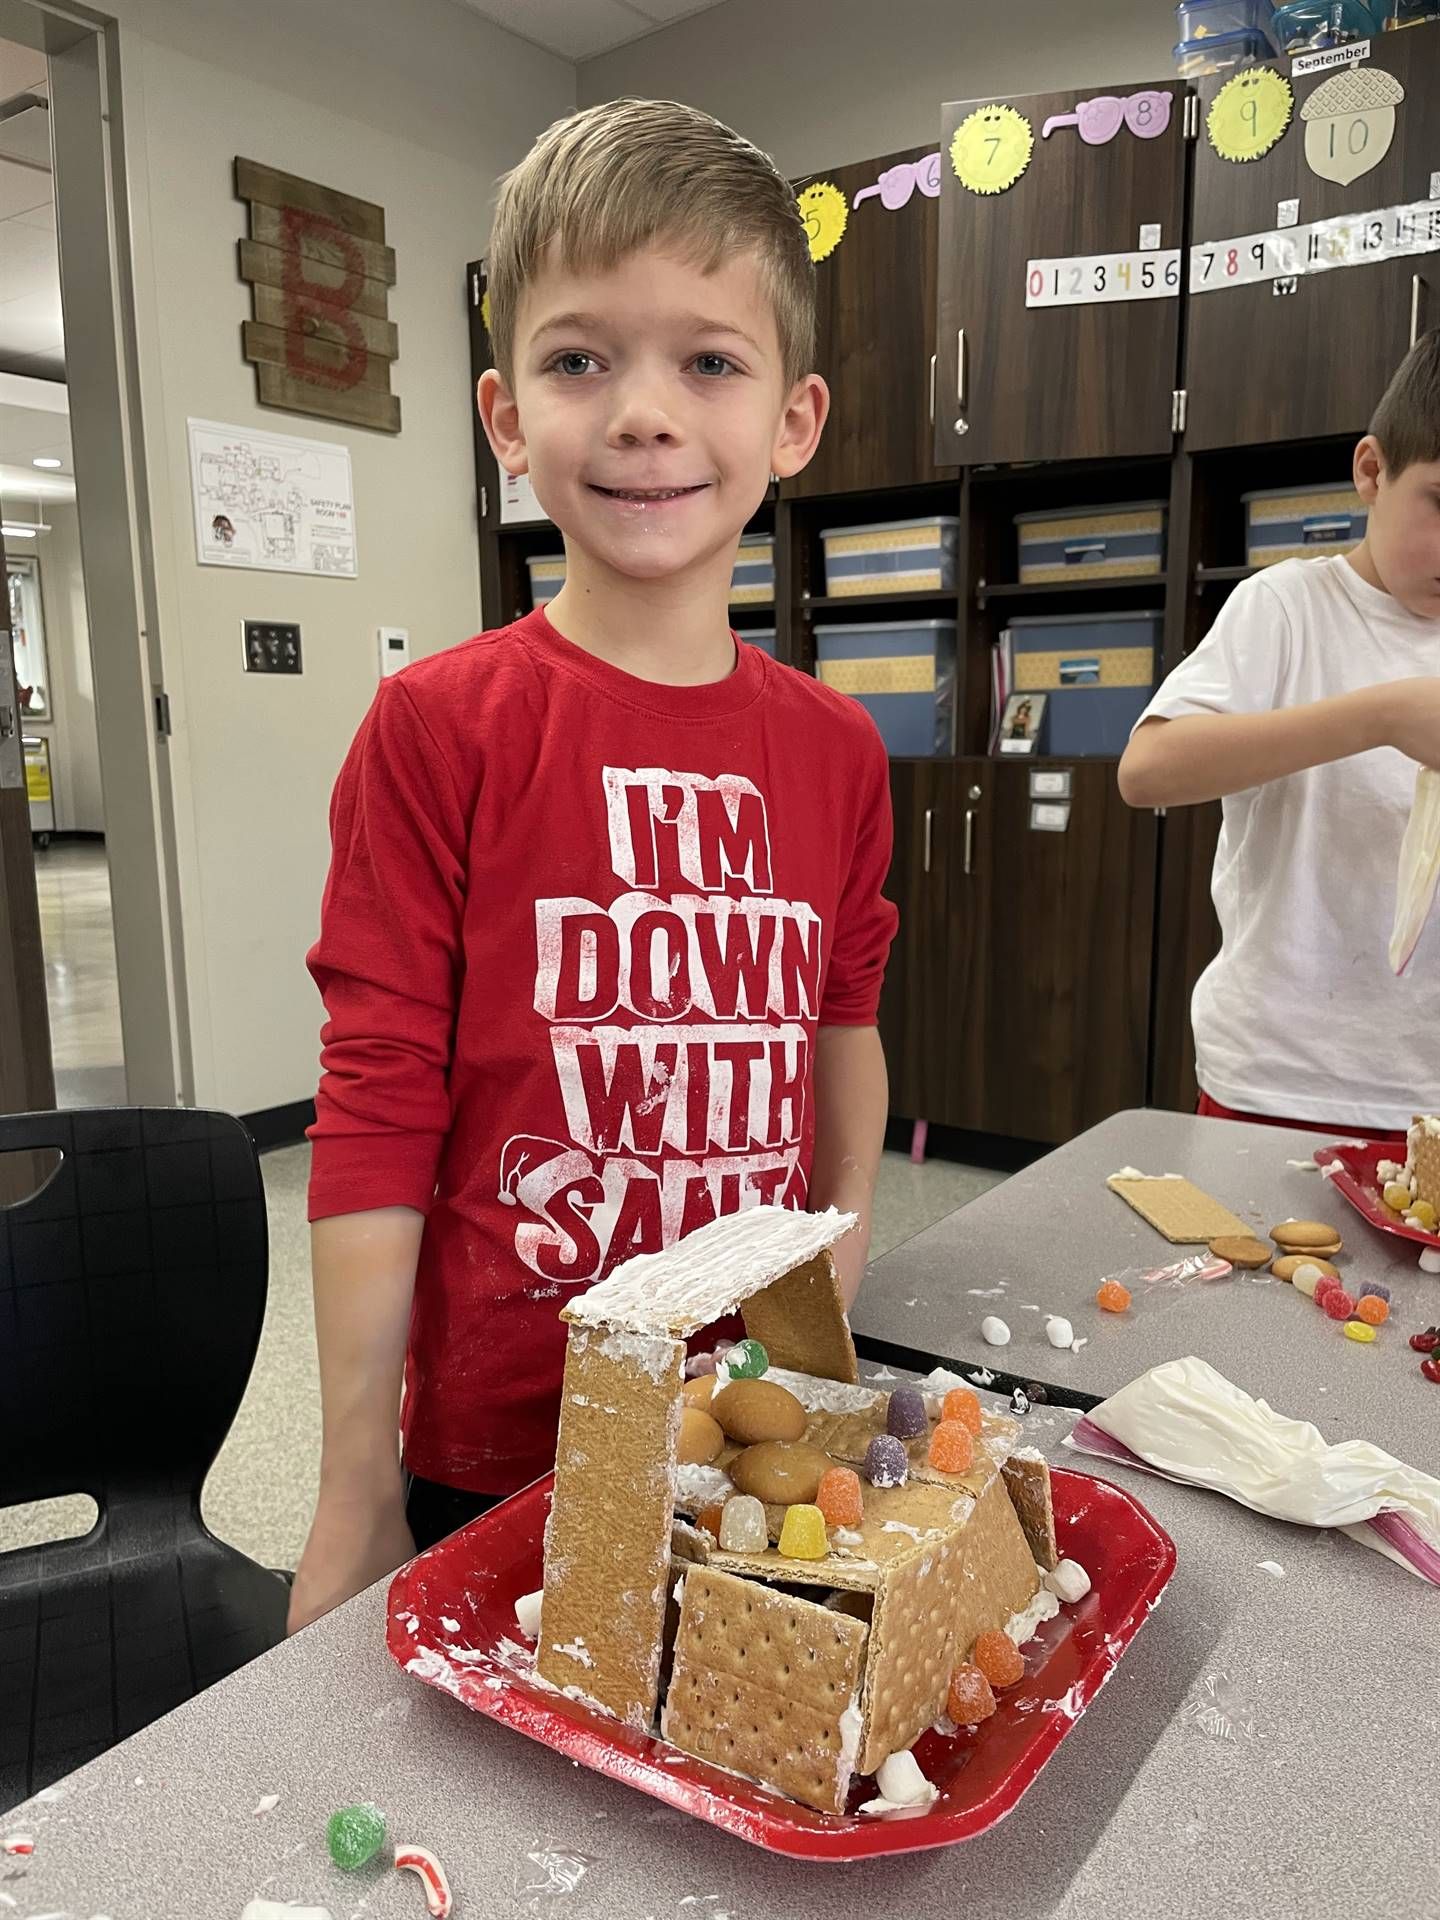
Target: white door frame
{"type": "Point", "coordinates": [102, 373]}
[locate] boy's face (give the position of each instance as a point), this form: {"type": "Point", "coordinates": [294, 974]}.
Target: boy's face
{"type": "Point", "coordinates": [650, 409]}
{"type": "Point", "coordinates": [1403, 531]}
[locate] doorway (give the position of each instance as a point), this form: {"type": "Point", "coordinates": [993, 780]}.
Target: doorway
{"type": "Point", "coordinates": [96, 874]}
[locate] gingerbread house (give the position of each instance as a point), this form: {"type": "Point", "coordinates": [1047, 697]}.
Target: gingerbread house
{"type": "Point", "coordinates": [795, 1672]}
{"type": "Point", "coordinates": [1423, 1161]}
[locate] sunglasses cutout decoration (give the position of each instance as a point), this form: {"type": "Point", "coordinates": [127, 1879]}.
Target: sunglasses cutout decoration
{"type": "Point", "coordinates": [897, 183]}
{"type": "Point", "coordinates": [1099, 120]}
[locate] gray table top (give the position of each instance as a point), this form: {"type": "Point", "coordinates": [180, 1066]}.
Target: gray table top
{"type": "Point", "coordinates": [1321, 1804]}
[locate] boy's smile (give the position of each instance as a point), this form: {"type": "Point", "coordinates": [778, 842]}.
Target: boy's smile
{"type": "Point", "coordinates": [650, 409]}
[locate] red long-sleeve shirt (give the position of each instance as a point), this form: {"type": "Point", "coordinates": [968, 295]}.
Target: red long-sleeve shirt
{"type": "Point", "coordinates": [577, 937]}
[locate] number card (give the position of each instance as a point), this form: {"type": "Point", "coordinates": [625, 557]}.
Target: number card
{"type": "Point", "coordinates": [1090, 279]}
{"type": "Point", "coordinates": [1348, 240]}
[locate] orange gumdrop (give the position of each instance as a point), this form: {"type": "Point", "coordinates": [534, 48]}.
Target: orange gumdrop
{"type": "Point", "coordinates": [1112, 1297]}
{"type": "Point", "coordinates": [952, 1447]}
{"type": "Point", "coordinates": [999, 1659]}
{"type": "Point", "coordinates": [1372, 1310]}
{"type": "Point", "coordinates": [970, 1700]}
{"type": "Point", "coordinates": [962, 1404]}
{"type": "Point", "coordinates": [708, 1520]}
{"type": "Point", "coordinates": [839, 1497]}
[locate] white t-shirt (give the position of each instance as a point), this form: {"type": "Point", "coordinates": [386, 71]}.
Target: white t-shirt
{"type": "Point", "coordinates": [1300, 1015]}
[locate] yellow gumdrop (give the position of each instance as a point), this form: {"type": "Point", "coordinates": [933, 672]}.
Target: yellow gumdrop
{"type": "Point", "coordinates": [1396, 1195]}
{"type": "Point", "coordinates": [1425, 1214]}
{"type": "Point", "coordinates": [803, 1537]}
{"type": "Point", "coordinates": [1357, 1330]}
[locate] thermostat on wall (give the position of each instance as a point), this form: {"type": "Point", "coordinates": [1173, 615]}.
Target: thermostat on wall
{"type": "Point", "coordinates": [394, 650]}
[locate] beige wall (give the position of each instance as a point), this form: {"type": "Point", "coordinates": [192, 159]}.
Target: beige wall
{"type": "Point", "coordinates": [418, 106]}
{"type": "Point", "coordinates": [820, 82]}
{"type": "Point", "coordinates": [74, 748]}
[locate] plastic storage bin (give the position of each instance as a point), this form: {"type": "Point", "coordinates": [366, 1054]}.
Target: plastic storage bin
{"type": "Point", "coordinates": [1213, 19]}
{"type": "Point", "coordinates": [762, 637]}
{"type": "Point", "coordinates": [1297, 523]}
{"type": "Point", "coordinates": [1309, 26]}
{"type": "Point", "coordinates": [1097, 672]}
{"type": "Point", "coordinates": [892, 556]}
{"type": "Point", "coordinates": [1218, 52]}
{"type": "Point", "coordinates": [547, 576]}
{"type": "Point", "coordinates": [753, 581]}
{"type": "Point", "coordinates": [902, 672]}
{"type": "Point", "coordinates": [1091, 542]}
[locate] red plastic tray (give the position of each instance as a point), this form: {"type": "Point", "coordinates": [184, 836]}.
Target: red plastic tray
{"type": "Point", "coordinates": [451, 1608]}
{"type": "Point", "coordinates": [1356, 1178]}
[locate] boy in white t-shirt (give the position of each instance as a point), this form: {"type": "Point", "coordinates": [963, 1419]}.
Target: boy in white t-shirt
{"type": "Point", "coordinates": [1306, 709]}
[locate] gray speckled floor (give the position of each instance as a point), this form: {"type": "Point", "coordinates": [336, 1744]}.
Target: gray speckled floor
{"type": "Point", "coordinates": [261, 1491]}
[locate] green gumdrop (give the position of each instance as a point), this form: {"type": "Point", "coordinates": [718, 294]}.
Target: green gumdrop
{"type": "Point", "coordinates": [355, 1835]}
{"type": "Point", "coordinates": [747, 1361]}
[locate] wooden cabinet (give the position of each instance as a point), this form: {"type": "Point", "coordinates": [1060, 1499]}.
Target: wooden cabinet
{"type": "Point", "coordinates": [1018, 996]}
{"type": "Point", "coordinates": [914, 1006]}
{"type": "Point", "coordinates": [876, 330]}
{"type": "Point", "coordinates": [1262, 366]}
{"type": "Point", "coordinates": [1059, 382]}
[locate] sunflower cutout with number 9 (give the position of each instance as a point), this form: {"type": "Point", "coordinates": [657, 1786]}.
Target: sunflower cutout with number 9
{"type": "Point", "coordinates": [991, 148]}
{"type": "Point", "coordinates": [1249, 114]}
{"type": "Point", "coordinates": [824, 211]}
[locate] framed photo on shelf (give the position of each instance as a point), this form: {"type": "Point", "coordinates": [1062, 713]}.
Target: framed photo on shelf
{"type": "Point", "coordinates": [1021, 722]}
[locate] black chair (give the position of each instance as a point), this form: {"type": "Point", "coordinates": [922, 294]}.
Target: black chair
{"type": "Point", "coordinates": [132, 1293]}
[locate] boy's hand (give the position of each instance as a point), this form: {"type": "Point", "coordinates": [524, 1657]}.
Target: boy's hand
{"type": "Point", "coordinates": [1412, 718]}
{"type": "Point", "coordinates": [353, 1543]}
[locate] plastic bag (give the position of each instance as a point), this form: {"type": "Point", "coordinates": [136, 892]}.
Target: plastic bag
{"type": "Point", "coordinates": [1159, 1286]}
{"type": "Point", "coordinates": [1419, 870]}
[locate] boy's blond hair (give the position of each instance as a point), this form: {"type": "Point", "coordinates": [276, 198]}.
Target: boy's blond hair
{"type": "Point", "coordinates": [604, 182]}
{"type": "Point", "coordinates": [1407, 420]}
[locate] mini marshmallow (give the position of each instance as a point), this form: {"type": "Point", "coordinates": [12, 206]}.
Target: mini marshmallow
{"type": "Point", "coordinates": [1068, 1582]}
{"type": "Point", "coordinates": [994, 1331]}
{"type": "Point", "coordinates": [1058, 1331]}
{"type": "Point", "coordinates": [1430, 1260]}
{"type": "Point", "coordinates": [903, 1784]}
{"type": "Point", "coordinates": [527, 1613]}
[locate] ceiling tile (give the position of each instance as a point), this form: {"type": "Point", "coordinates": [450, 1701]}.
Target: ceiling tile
{"type": "Point", "coordinates": [23, 189]}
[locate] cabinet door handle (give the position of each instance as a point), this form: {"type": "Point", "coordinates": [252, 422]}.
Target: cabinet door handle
{"type": "Point", "coordinates": [929, 826]}
{"type": "Point", "coordinates": [1417, 288]}
{"type": "Point", "coordinates": [933, 358]}
{"type": "Point", "coordinates": [960, 370]}
{"type": "Point", "coordinates": [969, 839]}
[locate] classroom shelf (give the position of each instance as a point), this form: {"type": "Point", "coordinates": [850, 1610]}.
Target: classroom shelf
{"type": "Point", "coordinates": [1223, 576]}
{"type": "Point", "coordinates": [859, 602]}
{"type": "Point", "coordinates": [1139, 584]}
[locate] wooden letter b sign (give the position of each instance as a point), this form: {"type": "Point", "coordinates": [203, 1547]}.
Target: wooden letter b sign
{"type": "Point", "coordinates": [319, 273]}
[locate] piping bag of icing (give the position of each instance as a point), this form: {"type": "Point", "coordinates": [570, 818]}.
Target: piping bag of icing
{"type": "Point", "coordinates": [1419, 870]}
{"type": "Point", "coordinates": [1189, 1423]}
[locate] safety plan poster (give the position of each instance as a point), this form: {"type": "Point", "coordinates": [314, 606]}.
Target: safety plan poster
{"type": "Point", "coordinates": [268, 500]}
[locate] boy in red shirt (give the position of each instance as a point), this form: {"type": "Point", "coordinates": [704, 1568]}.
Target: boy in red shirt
{"type": "Point", "coordinates": [603, 937]}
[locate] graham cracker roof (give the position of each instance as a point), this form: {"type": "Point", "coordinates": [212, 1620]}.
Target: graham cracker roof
{"type": "Point", "coordinates": [709, 1273]}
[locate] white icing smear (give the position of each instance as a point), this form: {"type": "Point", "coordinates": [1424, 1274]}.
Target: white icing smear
{"type": "Point", "coordinates": [827, 1396]}
{"type": "Point", "coordinates": [700, 1278]}
{"type": "Point", "coordinates": [278, 1910]}
{"type": "Point", "coordinates": [696, 1486]}
{"type": "Point", "coordinates": [1024, 1625]}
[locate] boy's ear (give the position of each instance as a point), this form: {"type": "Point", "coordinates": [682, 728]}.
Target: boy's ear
{"type": "Point", "coordinates": [500, 417]}
{"type": "Point", "coordinates": [800, 426]}
{"type": "Point", "coordinates": [1368, 467]}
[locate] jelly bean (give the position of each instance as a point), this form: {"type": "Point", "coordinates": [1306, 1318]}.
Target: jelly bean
{"type": "Point", "coordinates": [803, 1535]}
{"type": "Point", "coordinates": [1357, 1330]}
{"type": "Point", "coordinates": [1431, 1369]}
{"type": "Point", "coordinates": [1426, 1342]}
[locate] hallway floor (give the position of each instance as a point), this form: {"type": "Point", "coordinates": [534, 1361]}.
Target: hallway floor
{"type": "Point", "coordinates": [72, 878]}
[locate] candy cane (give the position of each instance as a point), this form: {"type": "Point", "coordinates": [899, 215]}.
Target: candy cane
{"type": "Point", "coordinates": [18, 1846]}
{"type": "Point", "coordinates": [438, 1900]}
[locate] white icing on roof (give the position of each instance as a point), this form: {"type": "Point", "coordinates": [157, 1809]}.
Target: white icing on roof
{"type": "Point", "coordinates": [700, 1278]}
{"type": "Point", "coordinates": [826, 1396]}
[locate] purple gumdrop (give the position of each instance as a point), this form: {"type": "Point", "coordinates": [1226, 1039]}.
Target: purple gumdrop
{"type": "Point", "coordinates": [699, 1363]}
{"type": "Point", "coordinates": [1376, 1293]}
{"type": "Point", "coordinates": [907, 1416]}
{"type": "Point", "coordinates": [886, 1462]}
